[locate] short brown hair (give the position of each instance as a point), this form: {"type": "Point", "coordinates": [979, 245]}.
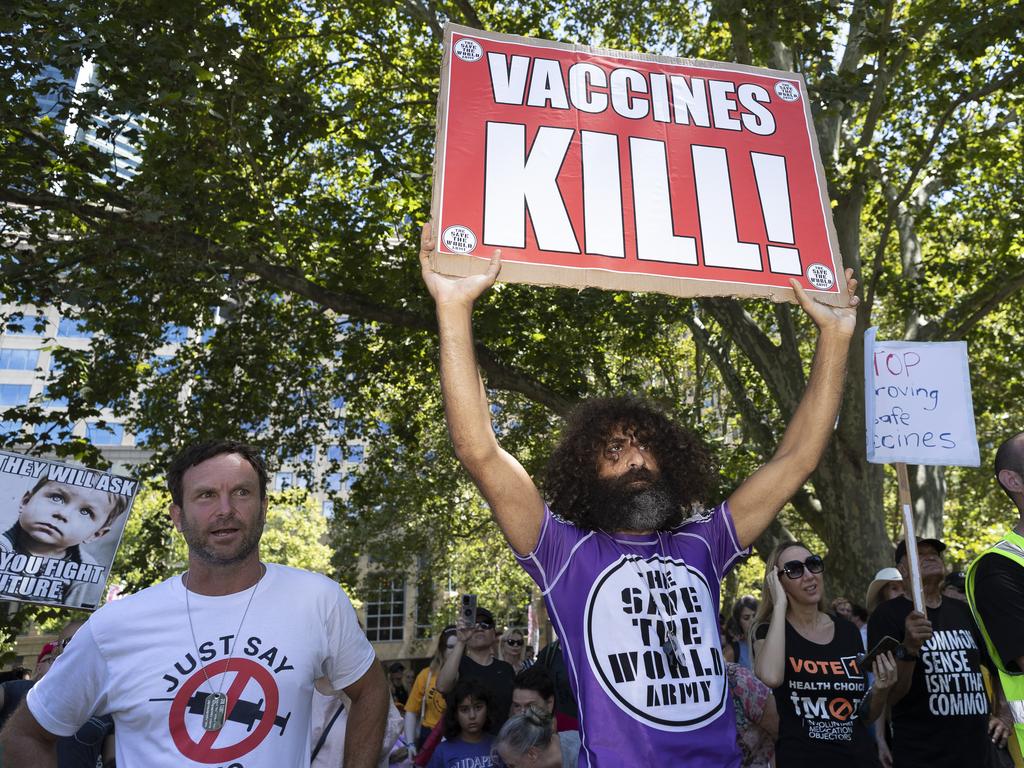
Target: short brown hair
{"type": "Point", "coordinates": [197, 453]}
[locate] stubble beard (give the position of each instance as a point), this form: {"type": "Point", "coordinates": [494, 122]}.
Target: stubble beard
{"type": "Point", "coordinates": [197, 542]}
{"type": "Point", "coordinates": [620, 507]}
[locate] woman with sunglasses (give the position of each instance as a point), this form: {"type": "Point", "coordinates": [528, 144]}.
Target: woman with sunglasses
{"type": "Point", "coordinates": [513, 649]}
{"type": "Point", "coordinates": [425, 706]}
{"type": "Point", "coordinates": [810, 660]}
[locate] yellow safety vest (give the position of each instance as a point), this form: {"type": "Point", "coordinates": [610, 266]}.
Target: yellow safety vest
{"type": "Point", "coordinates": [1011, 546]}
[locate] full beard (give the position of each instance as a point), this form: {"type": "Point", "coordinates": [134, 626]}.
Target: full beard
{"type": "Point", "coordinates": [197, 543]}
{"type": "Point", "coordinates": [619, 505]}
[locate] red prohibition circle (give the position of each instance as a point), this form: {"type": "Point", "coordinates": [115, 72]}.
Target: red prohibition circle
{"type": "Point", "coordinates": [840, 709]}
{"type": "Point", "coordinates": [203, 751]}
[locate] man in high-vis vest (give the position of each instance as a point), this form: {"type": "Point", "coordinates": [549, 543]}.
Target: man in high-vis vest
{"type": "Point", "coordinates": [995, 587]}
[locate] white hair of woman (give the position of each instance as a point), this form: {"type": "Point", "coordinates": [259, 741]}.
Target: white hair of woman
{"type": "Point", "coordinates": [528, 739]}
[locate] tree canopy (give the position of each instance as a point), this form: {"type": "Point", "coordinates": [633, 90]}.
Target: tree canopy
{"type": "Point", "coordinates": [286, 154]}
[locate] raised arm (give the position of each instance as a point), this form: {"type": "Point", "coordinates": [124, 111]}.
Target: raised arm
{"type": "Point", "coordinates": [770, 653]}
{"type": "Point", "coordinates": [509, 491]}
{"type": "Point", "coordinates": [758, 500]}
{"type": "Point", "coordinates": [448, 675]}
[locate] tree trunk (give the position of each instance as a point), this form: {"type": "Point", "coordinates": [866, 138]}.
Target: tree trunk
{"type": "Point", "coordinates": [849, 489]}
{"type": "Point", "coordinates": [927, 494]}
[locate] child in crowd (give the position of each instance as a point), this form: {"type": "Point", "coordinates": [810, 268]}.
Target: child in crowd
{"type": "Point", "coordinates": [467, 728]}
{"type": "Point", "coordinates": [54, 520]}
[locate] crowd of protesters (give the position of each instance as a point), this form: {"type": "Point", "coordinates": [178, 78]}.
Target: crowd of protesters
{"type": "Point", "coordinates": [630, 554]}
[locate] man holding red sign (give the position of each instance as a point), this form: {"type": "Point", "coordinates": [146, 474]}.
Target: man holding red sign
{"type": "Point", "coordinates": [629, 559]}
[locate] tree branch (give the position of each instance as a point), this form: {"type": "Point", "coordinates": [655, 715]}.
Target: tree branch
{"type": "Point", "coordinates": [784, 383]}
{"type": "Point", "coordinates": [979, 304]}
{"type": "Point", "coordinates": [739, 34]}
{"type": "Point", "coordinates": [423, 14]}
{"type": "Point", "coordinates": [498, 374]}
{"type": "Point", "coordinates": [881, 83]}
{"type": "Point", "coordinates": [762, 434]}
{"type": "Point", "coordinates": [995, 85]}
{"type": "Point", "coordinates": [470, 13]}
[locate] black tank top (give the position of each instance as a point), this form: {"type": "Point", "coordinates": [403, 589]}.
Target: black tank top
{"type": "Point", "coordinates": [818, 700]}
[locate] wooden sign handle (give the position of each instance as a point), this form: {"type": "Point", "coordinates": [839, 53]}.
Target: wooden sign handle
{"type": "Point", "coordinates": [910, 536]}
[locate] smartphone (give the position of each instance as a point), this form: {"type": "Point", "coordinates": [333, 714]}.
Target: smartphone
{"type": "Point", "coordinates": [467, 609]}
{"type": "Point", "coordinates": [886, 645]}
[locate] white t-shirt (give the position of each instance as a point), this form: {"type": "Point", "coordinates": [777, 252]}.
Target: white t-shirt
{"type": "Point", "coordinates": [332, 753]}
{"type": "Point", "coordinates": [136, 660]}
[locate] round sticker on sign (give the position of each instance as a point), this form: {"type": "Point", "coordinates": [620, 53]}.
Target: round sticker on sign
{"type": "Point", "coordinates": [459, 239]}
{"type": "Point", "coordinates": [820, 277]}
{"type": "Point", "coordinates": [468, 49]}
{"type": "Point", "coordinates": [786, 91]}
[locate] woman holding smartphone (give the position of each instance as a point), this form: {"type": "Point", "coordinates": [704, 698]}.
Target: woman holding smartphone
{"type": "Point", "coordinates": [810, 660]}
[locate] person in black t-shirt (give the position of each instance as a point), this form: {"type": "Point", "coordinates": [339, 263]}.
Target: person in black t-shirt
{"type": "Point", "coordinates": [473, 658]}
{"type": "Point", "coordinates": [399, 693]}
{"type": "Point", "coordinates": [999, 580]}
{"type": "Point", "coordinates": [552, 661]}
{"type": "Point", "coordinates": [940, 713]}
{"type": "Point", "coordinates": [810, 659]}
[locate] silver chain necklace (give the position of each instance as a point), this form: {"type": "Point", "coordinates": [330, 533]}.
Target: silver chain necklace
{"type": "Point", "coordinates": [216, 705]}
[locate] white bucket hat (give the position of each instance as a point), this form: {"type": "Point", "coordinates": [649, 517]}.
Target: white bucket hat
{"type": "Point", "coordinates": [883, 577]}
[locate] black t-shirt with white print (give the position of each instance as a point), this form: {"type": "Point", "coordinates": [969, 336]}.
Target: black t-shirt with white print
{"type": "Point", "coordinates": [943, 718]}
{"type": "Point", "coordinates": [818, 700]}
{"type": "Point", "coordinates": [999, 597]}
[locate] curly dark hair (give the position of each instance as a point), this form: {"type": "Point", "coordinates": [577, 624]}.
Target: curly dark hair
{"type": "Point", "coordinates": [473, 689]}
{"type": "Point", "coordinates": [570, 481]}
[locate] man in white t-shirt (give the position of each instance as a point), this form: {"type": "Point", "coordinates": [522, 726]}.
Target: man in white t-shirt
{"type": "Point", "coordinates": [216, 666]}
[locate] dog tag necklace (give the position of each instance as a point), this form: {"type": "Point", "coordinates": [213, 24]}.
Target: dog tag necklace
{"type": "Point", "coordinates": [215, 708]}
{"type": "Point", "coordinates": [671, 647]}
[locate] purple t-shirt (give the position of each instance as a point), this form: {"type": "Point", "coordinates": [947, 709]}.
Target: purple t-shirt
{"type": "Point", "coordinates": [461, 754]}
{"type": "Point", "coordinates": [611, 597]}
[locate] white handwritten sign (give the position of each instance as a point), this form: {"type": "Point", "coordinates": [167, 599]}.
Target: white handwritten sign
{"type": "Point", "coordinates": [917, 398]}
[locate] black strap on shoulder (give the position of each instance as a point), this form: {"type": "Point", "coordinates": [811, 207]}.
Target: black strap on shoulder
{"type": "Point", "coordinates": [327, 730]}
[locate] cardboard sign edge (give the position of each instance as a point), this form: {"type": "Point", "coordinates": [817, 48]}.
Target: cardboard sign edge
{"type": "Point", "coordinates": [460, 265]}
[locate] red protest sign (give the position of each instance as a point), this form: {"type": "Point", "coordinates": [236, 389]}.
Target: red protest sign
{"type": "Point", "coordinates": [590, 167]}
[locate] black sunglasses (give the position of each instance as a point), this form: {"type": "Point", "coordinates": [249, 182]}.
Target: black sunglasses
{"type": "Point", "coordinates": [512, 642]}
{"type": "Point", "coordinates": [794, 569]}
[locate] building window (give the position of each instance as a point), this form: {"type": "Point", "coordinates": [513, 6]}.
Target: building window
{"type": "Point", "coordinates": [385, 611]}
{"type": "Point", "coordinates": [52, 431]}
{"type": "Point", "coordinates": [424, 605]}
{"type": "Point", "coordinates": [110, 434]}
{"type": "Point", "coordinates": [283, 481]}
{"type": "Point", "coordinates": [50, 401]}
{"type": "Point", "coordinates": [14, 394]}
{"type": "Point", "coordinates": [26, 326]}
{"type": "Point", "coordinates": [175, 334]}
{"type": "Point", "coordinates": [73, 329]}
{"type": "Point", "coordinates": [327, 509]}
{"type": "Point", "coordinates": [19, 359]}
{"type": "Point", "coordinates": [355, 453]}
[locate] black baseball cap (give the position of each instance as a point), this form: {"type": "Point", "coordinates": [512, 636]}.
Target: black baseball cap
{"type": "Point", "coordinates": [483, 616]}
{"type": "Point", "coordinates": [901, 548]}
{"type": "Point", "coordinates": [957, 580]}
